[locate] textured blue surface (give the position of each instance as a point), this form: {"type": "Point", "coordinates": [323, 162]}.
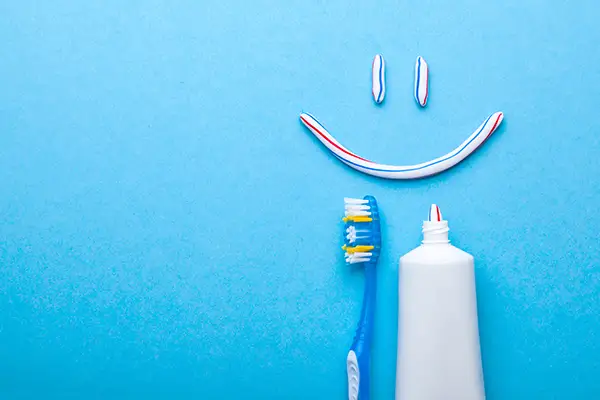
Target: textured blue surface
{"type": "Point", "coordinates": [170, 229]}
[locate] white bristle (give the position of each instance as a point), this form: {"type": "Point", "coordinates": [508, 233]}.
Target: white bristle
{"type": "Point", "coordinates": [357, 209]}
{"type": "Point", "coordinates": [353, 258]}
{"type": "Point", "coordinates": [349, 213]}
{"type": "Point", "coordinates": [353, 238]}
{"type": "Point", "coordinates": [352, 211]}
{"type": "Point", "coordinates": [348, 200]}
{"type": "Point", "coordinates": [353, 234]}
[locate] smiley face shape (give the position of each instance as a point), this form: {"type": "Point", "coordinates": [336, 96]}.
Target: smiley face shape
{"type": "Point", "coordinates": [416, 171]}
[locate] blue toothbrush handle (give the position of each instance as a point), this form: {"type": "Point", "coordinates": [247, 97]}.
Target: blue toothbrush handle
{"type": "Point", "coordinates": [358, 362]}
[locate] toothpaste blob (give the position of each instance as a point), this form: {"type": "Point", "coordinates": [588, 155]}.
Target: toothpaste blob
{"type": "Point", "coordinates": [378, 78]}
{"type": "Point", "coordinates": [432, 167]}
{"type": "Point", "coordinates": [421, 81]}
{"type": "Point", "coordinates": [435, 214]}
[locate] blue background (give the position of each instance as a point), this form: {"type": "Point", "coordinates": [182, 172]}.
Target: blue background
{"type": "Point", "coordinates": [171, 230]}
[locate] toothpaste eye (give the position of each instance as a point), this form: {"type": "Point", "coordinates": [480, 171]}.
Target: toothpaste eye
{"type": "Point", "coordinates": [421, 81]}
{"type": "Point", "coordinates": [378, 76]}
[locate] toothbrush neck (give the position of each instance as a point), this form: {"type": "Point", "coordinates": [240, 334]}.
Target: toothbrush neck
{"type": "Point", "coordinates": [435, 232]}
{"type": "Point", "coordinates": [369, 292]}
{"type": "Point", "coordinates": [370, 274]}
{"type": "Point", "coordinates": [365, 326]}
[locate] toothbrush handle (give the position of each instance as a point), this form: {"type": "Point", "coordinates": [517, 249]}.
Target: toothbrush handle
{"type": "Point", "coordinates": [359, 356]}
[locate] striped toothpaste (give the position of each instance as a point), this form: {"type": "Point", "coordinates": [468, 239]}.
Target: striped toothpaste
{"type": "Point", "coordinates": [378, 78]}
{"type": "Point", "coordinates": [421, 81]}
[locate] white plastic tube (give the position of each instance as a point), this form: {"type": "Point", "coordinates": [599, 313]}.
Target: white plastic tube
{"type": "Point", "coordinates": [416, 171]}
{"type": "Point", "coordinates": [438, 337]}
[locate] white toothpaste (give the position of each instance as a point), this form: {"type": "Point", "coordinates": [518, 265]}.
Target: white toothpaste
{"type": "Point", "coordinates": [378, 78]}
{"type": "Point", "coordinates": [416, 171]}
{"type": "Point", "coordinates": [421, 81]}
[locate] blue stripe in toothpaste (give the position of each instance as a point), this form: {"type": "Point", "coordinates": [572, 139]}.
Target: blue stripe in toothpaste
{"type": "Point", "coordinates": [378, 78]}
{"type": "Point", "coordinates": [421, 81]}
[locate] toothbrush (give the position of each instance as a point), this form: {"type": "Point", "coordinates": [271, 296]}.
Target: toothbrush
{"type": "Point", "coordinates": [362, 245]}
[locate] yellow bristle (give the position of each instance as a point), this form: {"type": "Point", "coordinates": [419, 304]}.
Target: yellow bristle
{"type": "Point", "coordinates": [358, 249]}
{"type": "Point", "coordinates": [360, 218]}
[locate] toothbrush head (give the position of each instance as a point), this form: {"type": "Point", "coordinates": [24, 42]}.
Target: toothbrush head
{"type": "Point", "coordinates": [362, 243]}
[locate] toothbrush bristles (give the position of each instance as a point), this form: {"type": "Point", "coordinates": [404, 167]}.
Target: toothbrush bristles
{"type": "Point", "coordinates": [358, 212]}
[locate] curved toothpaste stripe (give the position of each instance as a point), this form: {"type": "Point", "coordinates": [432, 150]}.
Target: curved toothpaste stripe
{"type": "Point", "coordinates": [421, 170]}
{"type": "Point", "coordinates": [378, 78]}
{"type": "Point", "coordinates": [421, 81]}
{"type": "Point", "coordinates": [325, 137]}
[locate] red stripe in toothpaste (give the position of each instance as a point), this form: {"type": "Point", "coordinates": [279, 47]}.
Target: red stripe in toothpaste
{"type": "Point", "coordinates": [311, 126]}
{"type": "Point", "coordinates": [426, 86]}
{"type": "Point", "coordinates": [495, 124]}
